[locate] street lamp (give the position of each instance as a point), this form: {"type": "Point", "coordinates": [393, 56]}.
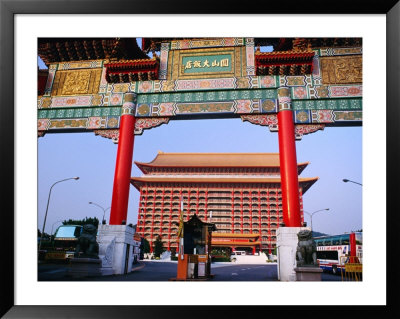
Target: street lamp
{"type": "Point", "coordinates": [47, 208]}
{"type": "Point", "coordinates": [104, 210]}
{"type": "Point", "coordinates": [347, 180]}
{"type": "Point", "coordinates": [311, 215]}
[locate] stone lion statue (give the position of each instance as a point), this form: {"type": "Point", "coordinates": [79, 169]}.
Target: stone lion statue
{"type": "Point", "coordinates": [306, 252]}
{"type": "Point", "coordinates": [87, 245]}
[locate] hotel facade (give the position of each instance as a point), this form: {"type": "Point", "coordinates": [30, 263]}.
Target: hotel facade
{"type": "Point", "coordinates": [239, 192]}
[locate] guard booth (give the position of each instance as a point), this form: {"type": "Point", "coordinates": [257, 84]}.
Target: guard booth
{"type": "Point", "coordinates": [194, 260]}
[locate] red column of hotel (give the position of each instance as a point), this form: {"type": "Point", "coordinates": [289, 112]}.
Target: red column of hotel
{"type": "Point", "coordinates": [120, 196]}
{"type": "Point", "coordinates": [288, 167]}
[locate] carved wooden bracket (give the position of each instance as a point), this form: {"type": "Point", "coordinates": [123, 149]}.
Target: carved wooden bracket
{"type": "Point", "coordinates": [304, 129]}
{"type": "Point", "coordinates": [271, 120]}
{"type": "Point", "coordinates": [111, 134]}
{"type": "Point", "coordinates": [148, 123]}
{"type": "Point", "coordinates": [140, 125]}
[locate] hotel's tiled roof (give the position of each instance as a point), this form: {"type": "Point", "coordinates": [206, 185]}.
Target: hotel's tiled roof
{"type": "Point", "coordinates": [215, 160]}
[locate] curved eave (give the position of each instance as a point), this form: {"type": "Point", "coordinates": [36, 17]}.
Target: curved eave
{"type": "Point", "coordinates": [301, 167]}
{"type": "Point", "coordinates": [143, 166]}
{"type": "Point", "coordinates": [216, 159]}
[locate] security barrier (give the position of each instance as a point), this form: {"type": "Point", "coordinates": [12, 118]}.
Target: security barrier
{"type": "Point", "coordinates": [352, 269]}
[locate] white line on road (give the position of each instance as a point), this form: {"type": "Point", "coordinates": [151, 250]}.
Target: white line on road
{"type": "Point", "coordinates": [53, 271]}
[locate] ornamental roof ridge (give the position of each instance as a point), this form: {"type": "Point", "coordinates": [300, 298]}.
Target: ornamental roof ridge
{"type": "Point", "coordinates": [153, 59]}
{"type": "Point", "coordinates": [218, 179]}
{"type": "Point", "coordinates": [213, 160]}
{"type": "Point", "coordinates": [292, 52]}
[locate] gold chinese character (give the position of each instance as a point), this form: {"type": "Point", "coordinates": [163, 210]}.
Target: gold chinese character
{"type": "Point", "coordinates": [206, 64]}
{"type": "Point", "coordinates": [215, 63]}
{"type": "Point", "coordinates": [197, 64]}
{"type": "Point", "coordinates": [224, 62]}
{"type": "Point", "coordinates": [188, 65]}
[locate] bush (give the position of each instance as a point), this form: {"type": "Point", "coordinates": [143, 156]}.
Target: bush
{"type": "Point", "coordinates": [220, 259]}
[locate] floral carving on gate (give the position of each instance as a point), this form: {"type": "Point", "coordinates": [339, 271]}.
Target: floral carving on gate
{"type": "Point", "coordinates": [271, 120]}
{"type": "Point", "coordinates": [148, 123]}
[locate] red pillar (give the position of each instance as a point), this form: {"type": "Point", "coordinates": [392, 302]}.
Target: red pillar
{"type": "Point", "coordinates": [288, 161]}
{"type": "Point", "coordinates": [353, 247]}
{"type": "Point", "coordinates": [123, 166]}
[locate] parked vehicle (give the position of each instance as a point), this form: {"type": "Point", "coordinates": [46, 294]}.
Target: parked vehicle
{"type": "Point", "coordinates": [64, 243]}
{"type": "Point", "coordinates": [333, 252]}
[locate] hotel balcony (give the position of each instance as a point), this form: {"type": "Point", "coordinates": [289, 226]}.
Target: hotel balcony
{"type": "Point", "coordinates": [220, 220]}
{"type": "Point", "coordinates": [219, 207]}
{"type": "Point", "coordinates": [222, 226]}
{"type": "Point", "coordinates": [219, 195]}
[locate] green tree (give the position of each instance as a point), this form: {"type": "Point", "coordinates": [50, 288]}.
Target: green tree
{"type": "Point", "coordinates": [158, 247]}
{"type": "Point", "coordinates": [87, 220]}
{"type": "Point", "coordinates": [45, 235]}
{"type": "Point", "coordinates": [145, 246]}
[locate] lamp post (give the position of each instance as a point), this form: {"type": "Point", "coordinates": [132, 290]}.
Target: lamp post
{"type": "Point", "coordinates": [104, 210]}
{"type": "Point", "coordinates": [47, 208]}
{"type": "Point", "coordinates": [311, 215]}
{"type": "Point", "coordinates": [347, 180]}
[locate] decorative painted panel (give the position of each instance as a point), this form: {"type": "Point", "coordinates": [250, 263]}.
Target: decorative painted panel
{"type": "Point", "coordinates": [330, 104]}
{"type": "Point", "coordinates": [341, 70]}
{"type": "Point", "coordinates": [81, 65]}
{"type": "Point", "coordinates": [222, 95]}
{"type": "Point", "coordinates": [206, 43]}
{"type": "Point", "coordinates": [75, 82]}
{"type": "Point", "coordinates": [339, 51]}
{"type": "Point", "coordinates": [250, 62]}
{"type": "Point", "coordinates": [50, 79]}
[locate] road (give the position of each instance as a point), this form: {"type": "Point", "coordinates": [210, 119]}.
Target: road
{"type": "Point", "coordinates": [164, 271]}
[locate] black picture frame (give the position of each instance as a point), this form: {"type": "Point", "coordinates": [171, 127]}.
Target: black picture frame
{"type": "Point", "coordinates": [8, 10]}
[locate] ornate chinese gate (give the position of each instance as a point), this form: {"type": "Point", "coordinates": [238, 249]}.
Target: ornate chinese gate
{"type": "Point", "coordinates": [111, 87]}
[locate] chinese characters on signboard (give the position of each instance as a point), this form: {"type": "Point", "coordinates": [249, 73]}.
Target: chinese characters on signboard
{"type": "Point", "coordinates": [206, 64]}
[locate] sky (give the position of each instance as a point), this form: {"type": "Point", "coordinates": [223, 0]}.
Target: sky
{"type": "Point", "coordinates": [334, 154]}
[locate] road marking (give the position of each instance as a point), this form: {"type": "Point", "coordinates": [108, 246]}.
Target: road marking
{"type": "Point", "coordinates": [53, 271]}
{"type": "Point", "coordinates": [234, 274]}
{"type": "Point", "coordinates": [138, 268]}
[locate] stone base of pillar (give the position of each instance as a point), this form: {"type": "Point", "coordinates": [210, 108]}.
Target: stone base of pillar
{"type": "Point", "coordinates": [308, 273]}
{"type": "Point", "coordinates": [286, 243]}
{"type": "Point", "coordinates": [115, 248]}
{"type": "Point", "coordinates": [84, 267]}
